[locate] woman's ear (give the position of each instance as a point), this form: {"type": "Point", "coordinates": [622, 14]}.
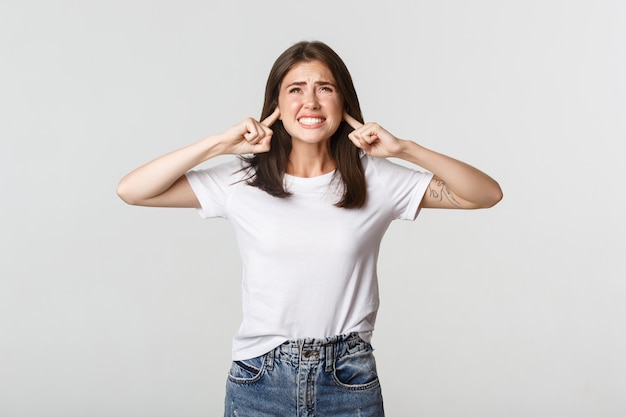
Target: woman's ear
{"type": "Point", "coordinates": [276, 106]}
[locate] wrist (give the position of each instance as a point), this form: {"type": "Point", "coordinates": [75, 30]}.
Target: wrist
{"type": "Point", "coordinates": [408, 150]}
{"type": "Point", "coordinates": [211, 146]}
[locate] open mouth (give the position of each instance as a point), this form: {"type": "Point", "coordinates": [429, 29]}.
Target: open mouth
{"type": "Point", "coordinates": [311, 121]}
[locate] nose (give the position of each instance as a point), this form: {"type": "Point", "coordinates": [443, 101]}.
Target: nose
{"type": "Point", "coordinates": [311, 101]}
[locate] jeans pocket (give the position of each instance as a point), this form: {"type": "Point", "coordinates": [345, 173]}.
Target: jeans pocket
{"type": "Point", "coordinates": [356, 371]}
{"type": "Point", "coordinates": [247, 371]}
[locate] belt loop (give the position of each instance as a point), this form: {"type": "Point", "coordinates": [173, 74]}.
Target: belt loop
{"type": "Point", "coordinates": [329, 356]}
{"type": "Point", "coordinates": [269, 357]}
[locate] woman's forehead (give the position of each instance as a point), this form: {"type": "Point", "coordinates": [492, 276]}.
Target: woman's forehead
{"type": "Point", "coordinates": [305, 71]}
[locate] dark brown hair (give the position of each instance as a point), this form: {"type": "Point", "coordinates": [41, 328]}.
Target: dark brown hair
{"type": "Point", "coordinates": [267, 169]}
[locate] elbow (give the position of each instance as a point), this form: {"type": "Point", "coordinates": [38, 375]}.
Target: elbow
{"type": "Point", "coordinates": [125, 194]}
{"type": "Point", "coordinates": [489, 197]}
{"type": "Point", "coordinates": [494, 197]}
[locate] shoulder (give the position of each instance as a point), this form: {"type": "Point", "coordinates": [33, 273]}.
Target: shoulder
{"type": "Point", "coordinates": [395, 178]}
{"type": "Point", "coordinates": [222, 178]}
{"type": "Point", "coordinates": [233, 171]}
{"type": "Point", "coordinates": [383, 167]}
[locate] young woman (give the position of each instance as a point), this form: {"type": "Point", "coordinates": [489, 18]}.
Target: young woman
{"type": "Point", "coordinates": [310, 198]}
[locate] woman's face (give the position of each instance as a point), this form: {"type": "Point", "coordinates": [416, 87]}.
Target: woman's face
{"type": "Point", "coordinates": [311, 108]}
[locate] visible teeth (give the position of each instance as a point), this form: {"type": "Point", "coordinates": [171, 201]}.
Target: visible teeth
{"type": "Point", "coordinates": [311, 120]}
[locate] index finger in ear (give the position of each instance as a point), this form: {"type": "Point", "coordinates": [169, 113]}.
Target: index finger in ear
{"type": "Point", "coordinates": [269, 120]}
{"type": "Point", "coordinates": [354, 123]}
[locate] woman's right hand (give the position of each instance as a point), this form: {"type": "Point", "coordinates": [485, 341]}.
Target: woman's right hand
{"type": "Point", "coordinates": [162, 182]}
{"type": "Point", "coordinates": [249, 136]}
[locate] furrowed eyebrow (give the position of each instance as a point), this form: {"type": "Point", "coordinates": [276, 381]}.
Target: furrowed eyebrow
{"type": "Point", "coordinates": [299, 83]}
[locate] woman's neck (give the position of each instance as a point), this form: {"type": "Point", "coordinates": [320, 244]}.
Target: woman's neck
{"type": "Point", "coordinates": [309, 161]}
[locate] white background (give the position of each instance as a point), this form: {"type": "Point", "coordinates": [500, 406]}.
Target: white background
{"type": "Point", "coordinates": [113, 310]}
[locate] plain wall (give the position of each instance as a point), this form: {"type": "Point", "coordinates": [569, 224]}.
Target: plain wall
{"type": "Point", "coordinates": [112, 310]}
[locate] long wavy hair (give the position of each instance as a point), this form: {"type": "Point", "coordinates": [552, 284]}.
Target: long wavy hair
{"type": "Point", "coordinates": [267, 169]}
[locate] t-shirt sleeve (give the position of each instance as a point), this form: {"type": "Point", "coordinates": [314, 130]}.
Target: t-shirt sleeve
{"type": "Point", "coordinates": [405, 186]}
{"type": "Point", "coordinates": [213, 187]}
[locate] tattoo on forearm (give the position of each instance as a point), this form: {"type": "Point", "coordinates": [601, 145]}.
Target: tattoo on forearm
{"type": "Point", "coordinates": [441, 191]}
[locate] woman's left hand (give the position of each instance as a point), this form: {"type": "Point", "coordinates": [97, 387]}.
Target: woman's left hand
{"type": "Point", "coordinates": [463, 186]}
{"type": "Point", "coordinates": [373, 138]}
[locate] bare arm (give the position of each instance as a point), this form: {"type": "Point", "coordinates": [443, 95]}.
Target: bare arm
{"type": "Point", "coordinates": [455, 184]}
{"type": "Point", "coordinates": [162, 182]}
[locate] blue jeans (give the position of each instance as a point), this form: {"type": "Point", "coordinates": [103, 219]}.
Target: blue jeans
{"type": "Point", "coordinates": [331, 377]}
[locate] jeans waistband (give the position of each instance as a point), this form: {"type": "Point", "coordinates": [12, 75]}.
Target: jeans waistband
{"type": "Point", "coordinates": [312, 351]}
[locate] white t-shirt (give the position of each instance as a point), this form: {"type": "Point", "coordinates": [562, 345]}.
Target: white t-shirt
{"type": "Point", "coordinates": [309, 267]}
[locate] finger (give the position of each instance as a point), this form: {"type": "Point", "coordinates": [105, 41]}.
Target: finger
{"type": "Point", "coordinates": [371, 136]}
{"type": "Point", "coordinates": [263, 145]}
{"type": "Point", "coordinates": [271, 119]}
{"type": "Point", "coordinates": [370, 133]}
{"type": "Point", "coordinates": [355, 141]}
{"type": "Point", "coordinates": [354, 123]}
{"type": "Point", "coordinates": [252, 133]}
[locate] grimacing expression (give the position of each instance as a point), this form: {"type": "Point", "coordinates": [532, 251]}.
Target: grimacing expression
{"type": "Point", "coordinates": [311, 107]}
